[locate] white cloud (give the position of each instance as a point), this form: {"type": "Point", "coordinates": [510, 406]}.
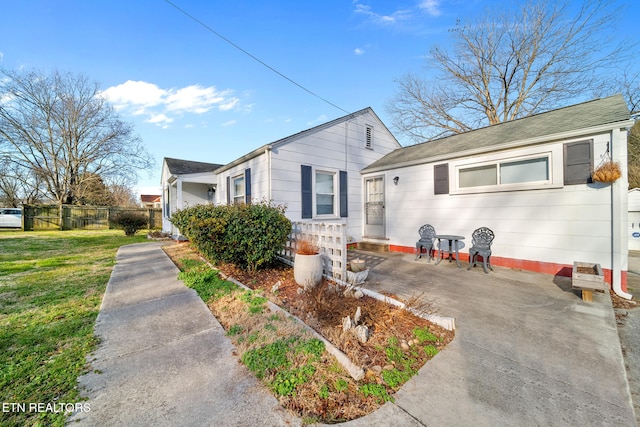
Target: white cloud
{"type": "Point", "coordinates": [431, 7]}
{"type": "Point", "coordinates": [159, 118]}
{"type": "Point", "coordinates": [320, 119]}
{"type": "Point", "coordinates": [162, 106]}
{"type": "Point", "coordinates": [229, 123]}
{"type": "Point", "coordinates": [358, 51]}
{"type": "Point", "coordinates": [141, 94]}
{"type": "Point", "coordinates": [399, 15]}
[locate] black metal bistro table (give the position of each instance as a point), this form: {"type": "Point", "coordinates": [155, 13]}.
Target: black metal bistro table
{"type": "Point", "coordinates": [453, 245]}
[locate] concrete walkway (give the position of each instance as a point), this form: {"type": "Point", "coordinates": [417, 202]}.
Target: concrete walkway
{"type": "Point", "coordinates": [163, 359]}
{"type": "Point", "coordinates": [527, 352]}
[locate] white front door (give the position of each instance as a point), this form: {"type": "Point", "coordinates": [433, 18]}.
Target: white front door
{"type": "Point", "coordinates": [374, 207]}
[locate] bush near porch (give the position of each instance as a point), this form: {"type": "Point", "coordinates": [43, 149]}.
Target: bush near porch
{"type": "Point", "coordinates": [247, 235]}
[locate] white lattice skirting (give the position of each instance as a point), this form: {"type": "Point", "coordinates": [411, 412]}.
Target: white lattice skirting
{"type": "Point", "coordinates": [331, 239]}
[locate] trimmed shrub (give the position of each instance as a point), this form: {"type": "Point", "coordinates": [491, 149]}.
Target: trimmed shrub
{"type": "Point", "coordinates": [130, 222]}
{"type": "Point", "coordinates": [250, 236]}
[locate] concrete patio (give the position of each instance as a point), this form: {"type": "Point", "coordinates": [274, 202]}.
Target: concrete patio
{"type": "Point", "coordinates": [528, 351]}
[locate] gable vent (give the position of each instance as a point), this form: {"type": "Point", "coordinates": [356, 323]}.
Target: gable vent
{"type": "Point", "coordinates": [369, 137]}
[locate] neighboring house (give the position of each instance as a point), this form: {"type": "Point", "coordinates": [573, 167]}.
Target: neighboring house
{"type": "Point", "coordinates": [151, 201]}
{"type": "Point", "coordinates": [185, 183]}
{"type": "Point", "coordinates": [315, 173]}
{"type": "Point", "coordinates": [528, 180]}
{"type": "Point", "coordinates": [634, 219]}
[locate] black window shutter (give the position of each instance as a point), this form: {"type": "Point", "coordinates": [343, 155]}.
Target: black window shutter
{"type": "Point", "coordinates": [343, 195]}
{"type": "Point", "coordinates": [307, 199]}
{"type": "Point", "coordinates": [578, 162]}
{"type": "Point", "coordinates": [441, 179]}
{"type": "Point", "coordinates": [167, 209]}
{"type": "Point", "coordinates": [247, 185]}
{"type": "Point", "coordinates": [228, 190]}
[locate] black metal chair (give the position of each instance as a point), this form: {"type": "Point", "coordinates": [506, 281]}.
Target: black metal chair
{"type": "Point", "coordinates": [427, 236]}
{"type": "Point", "coordinates": [481, 240]}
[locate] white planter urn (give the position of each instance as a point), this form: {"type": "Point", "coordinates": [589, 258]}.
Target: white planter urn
{"type": "Point", "coordinates": [307, 270]}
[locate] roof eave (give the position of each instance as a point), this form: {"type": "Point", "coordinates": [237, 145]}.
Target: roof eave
{"type": "Point", "coordinates": [506, 146]}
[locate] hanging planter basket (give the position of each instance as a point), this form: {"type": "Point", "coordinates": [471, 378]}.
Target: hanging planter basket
{"type": "Point", "coordinates": [607, 172]}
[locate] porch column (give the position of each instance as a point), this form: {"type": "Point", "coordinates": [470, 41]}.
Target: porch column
{"type": "Point", "coordinates": [179, 194]}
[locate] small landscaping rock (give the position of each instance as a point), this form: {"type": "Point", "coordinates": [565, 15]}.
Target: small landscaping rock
{"type": "Point", "coordinates": [362, 333]}
{"type": "Point", "coordinates": [347, 323]}
{"type": "Point", "coordinates": [275, 288]}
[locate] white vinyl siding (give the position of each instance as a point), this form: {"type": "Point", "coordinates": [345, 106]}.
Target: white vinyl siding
{"type": "Point", "coordinates": [545, 221]}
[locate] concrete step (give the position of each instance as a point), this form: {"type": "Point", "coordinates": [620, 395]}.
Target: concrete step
{"type": "Point", "coordinates": [372, 247]}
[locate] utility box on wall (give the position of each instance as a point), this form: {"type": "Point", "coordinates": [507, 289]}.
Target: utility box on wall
{"type": "Point", "coordinates": [634, 219]}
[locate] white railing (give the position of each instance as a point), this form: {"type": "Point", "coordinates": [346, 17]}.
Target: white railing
{"type": "Point", "coordinates": [331, 239]}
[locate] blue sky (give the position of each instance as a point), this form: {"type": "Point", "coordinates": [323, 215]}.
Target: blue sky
{"type": "Point", "coordinates": [191, 95]}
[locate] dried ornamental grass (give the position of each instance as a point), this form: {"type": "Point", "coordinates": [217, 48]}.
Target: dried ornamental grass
{"type": "Point", "coordinates": [607, 172]}
{"type": "Point", "coordinates": [306, 247]}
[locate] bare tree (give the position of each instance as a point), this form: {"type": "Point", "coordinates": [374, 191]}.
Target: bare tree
{"type": "Point", "coordinates": [633, 145]}
{"type": "Point", "coordinates": [123, 196]}
{"type": "Point", "coordinates": [58, 129]}
{"type": "Point", "coordinates": [18, 186]}
{"type": "Point", "coordinates": [505, 66]}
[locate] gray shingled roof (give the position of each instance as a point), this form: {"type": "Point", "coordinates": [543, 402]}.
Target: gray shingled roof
{"type": "Point", "coordinates": [185, 167]}
{"type": "Point", "coordinates": [588, 114]}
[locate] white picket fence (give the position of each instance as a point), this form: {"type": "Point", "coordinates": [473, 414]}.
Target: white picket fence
{"type": "Point", "coordinates": [331, 239]}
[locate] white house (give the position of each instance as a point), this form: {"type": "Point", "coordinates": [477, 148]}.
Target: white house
{"type": "Point", "coordinates": [528, 180]}
{"type": "Point", "coordinates": [634, 219]}
{"type": "Point", "coordinates": [185, 183]}
{"type": "Point", "coordinates": [315, 173]}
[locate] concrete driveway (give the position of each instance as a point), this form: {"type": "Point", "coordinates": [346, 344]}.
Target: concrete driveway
{"type": "Point", "coordinates": [528, 351]}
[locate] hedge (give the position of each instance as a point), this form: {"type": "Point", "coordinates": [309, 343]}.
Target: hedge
{"type": "Point", "coordinates": [247, 235]}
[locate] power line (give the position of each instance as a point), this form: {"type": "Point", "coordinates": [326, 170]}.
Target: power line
{"type": "Point", "coordinates": [253, 56]}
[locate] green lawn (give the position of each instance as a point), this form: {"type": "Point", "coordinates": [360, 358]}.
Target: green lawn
{"type": "Point", "coordinates": [51, 288]}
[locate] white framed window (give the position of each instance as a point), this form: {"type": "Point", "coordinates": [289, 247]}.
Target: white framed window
{"type": "Point", "coordinates": [535, 169]}
{"type": "Point", "coordinates": [238, 189]}
{"type": "Point", "coordinates": [532, 169]}
{"type": "Point", "coordinates": [325, 194]}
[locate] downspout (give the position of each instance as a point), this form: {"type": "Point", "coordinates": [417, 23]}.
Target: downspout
{"type": "Point", "coordinates": [346, 163]}
{"type": "Point", "coordinates": [617, 233]}
{"type": "Point", "coordinates": [267, 152]}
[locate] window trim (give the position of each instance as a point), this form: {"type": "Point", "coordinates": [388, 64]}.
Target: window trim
{"type": "Point", "coordinates": [555, 168]}
{"type": "Point", "coordinates": [336, 185]}
{"type": "Point", "coordinates": [238, 198]}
